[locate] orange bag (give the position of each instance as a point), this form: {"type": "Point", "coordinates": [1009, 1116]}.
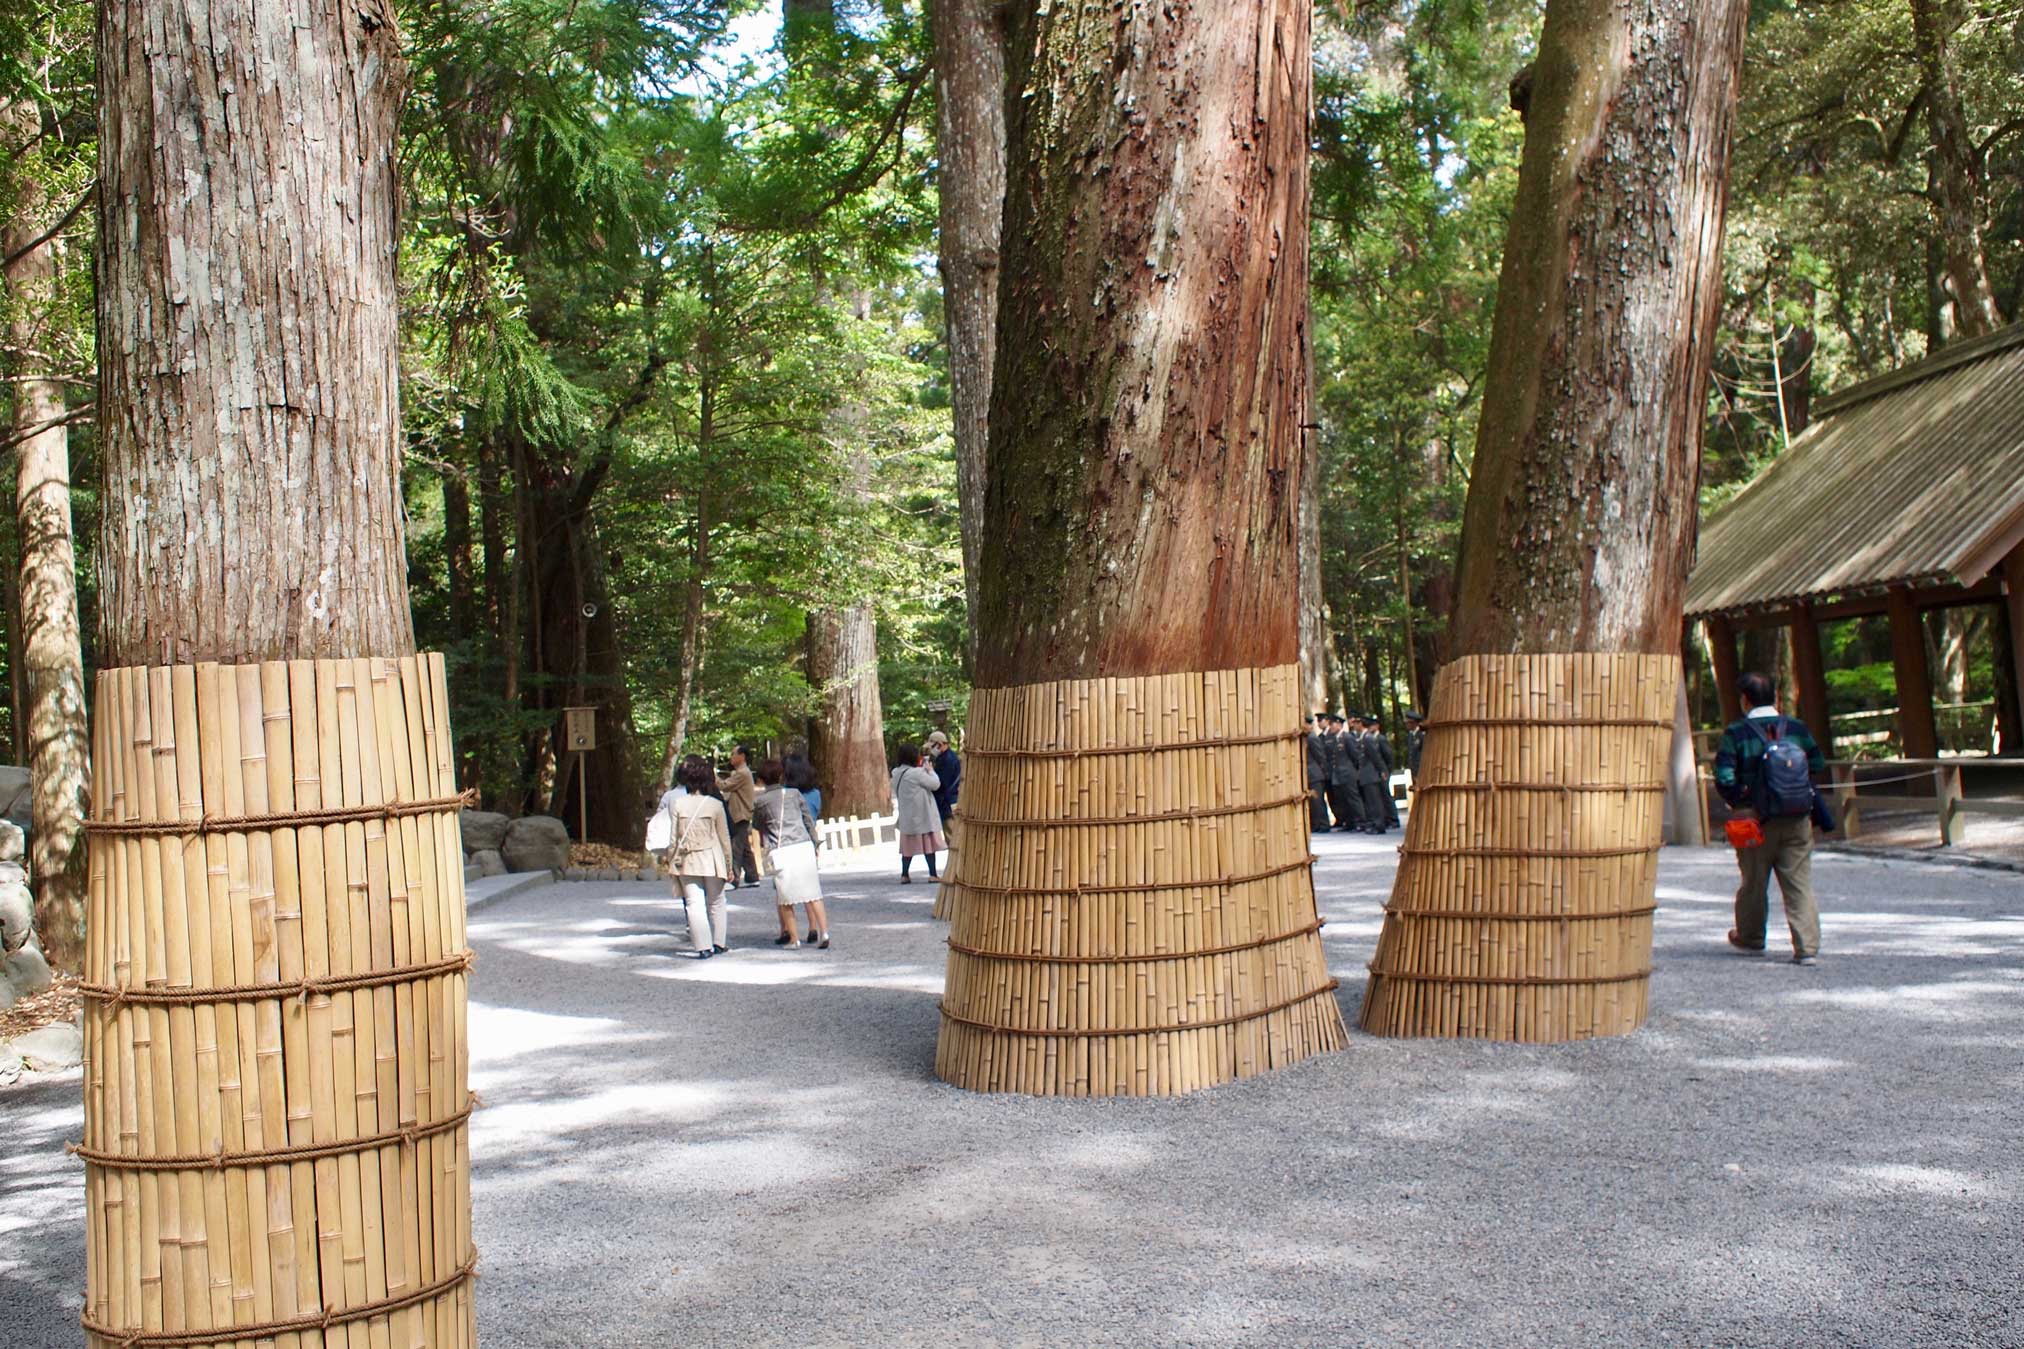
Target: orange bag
{"type": "Point", "coordinates": [1744, 833]}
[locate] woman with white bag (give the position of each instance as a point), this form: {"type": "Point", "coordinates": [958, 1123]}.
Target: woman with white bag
{"type": "Point", "coordinates": [692, 828]}
{"type": "Point", "coordinates": [785, 824]}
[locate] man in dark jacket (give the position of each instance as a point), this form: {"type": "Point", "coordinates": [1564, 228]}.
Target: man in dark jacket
{"type": "Point", "coordinates": [1369, 775]}
{"type": "Point", "coordinates": [1318, 753]}
{"type": "Point", "coordinates": [1342, 776]}
{"type": "Point", "coordinates": [1787, 850]}
{"type": "Point", "coordinates": [1379, 748]}
{"type": "Point", "coordinates": [949, 769]}
{"type": "Point", "coordinates": [1416, 743]}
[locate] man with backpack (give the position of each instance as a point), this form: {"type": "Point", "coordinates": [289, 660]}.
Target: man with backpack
{"type": "Point", "coordinates": [1765, 769]}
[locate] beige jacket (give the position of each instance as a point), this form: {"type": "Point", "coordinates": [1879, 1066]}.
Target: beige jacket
{"type": "Point", "coordinates": [702, 845]}
{"type": "Point", "coordinates": [738, 789]}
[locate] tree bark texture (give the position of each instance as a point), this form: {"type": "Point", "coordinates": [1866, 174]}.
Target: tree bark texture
{"type": "Point", "coordinates": [970, 185]}
{"type": "Point", "coordinates": [846, 739]}
{"type": "Point", "coordinates": [248, 391]}
{"type": "Point", "coordinates": [1580, 523]}
{"type": "Point", "coordinates": [1144, 468]}
{"type": "Point", "coordinates": [1959, 193]}
{"type": "Point", "coordinates": [48, 654]}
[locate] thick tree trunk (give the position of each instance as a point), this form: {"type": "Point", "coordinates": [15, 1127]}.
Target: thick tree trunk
{"type": "Point", "coordinates": [47, 655]}
{"type": "Point", "coordinates": [1581, 514]}
{"type": "Point", "coordinates": [251, 439]}
{"type": "Point", "coordinates": [970, 148]}
{"type": "Point", "coordinates": [846, 740]}
{"type": "Point", "coordinates": [575, 640]}
{"type": "Point", "coordinates": [1959, 191]}
{"type": "Point", "coordinates": [1145, 456]}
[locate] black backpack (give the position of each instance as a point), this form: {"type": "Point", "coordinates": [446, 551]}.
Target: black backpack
{"type": "Point", "coordinates": [1784, 780]}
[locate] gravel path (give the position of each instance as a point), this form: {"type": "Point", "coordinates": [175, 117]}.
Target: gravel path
{"type": "Point", "coordinates": [754, 1150]}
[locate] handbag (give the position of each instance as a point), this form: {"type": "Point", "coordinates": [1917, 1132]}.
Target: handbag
{"type": "Point", "coordinates": [660, 829]}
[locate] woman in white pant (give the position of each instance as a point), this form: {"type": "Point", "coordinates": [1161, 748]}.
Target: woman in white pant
{"type": "Point", "coordinates": [787, 827]}
{"type": "Point", "coordinates": [699, 858]}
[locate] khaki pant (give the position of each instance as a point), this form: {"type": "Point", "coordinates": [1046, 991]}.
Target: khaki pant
{"type": "Point", "coordinates": [1787, 851]}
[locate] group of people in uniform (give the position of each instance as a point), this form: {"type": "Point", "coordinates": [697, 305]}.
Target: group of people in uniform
{"type": "Point", "coordinates": [1349, 768]}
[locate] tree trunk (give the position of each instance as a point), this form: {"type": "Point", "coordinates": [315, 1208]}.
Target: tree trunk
{"type": "Point", "coordinates": [1580, 522]}
{"type": "Point", "coordinates": [248, 352]}
{"type": "Point", "coordinates": [846, 741]}
{"type": "Point", "coordinates": [492, 535]}
{"type": "Point", "coordinates": [575, 642]}
{"type": "Point", "coordinates": [694, 599]}
{"type": "Point", "coordinates": [970, 148]}
{"type": "Point", "coordinates": [1145, 457]}
{"type": "Point", "coordinates": [50, 713]}
{"type": "Point", "coordinates": [457, 553]}
{"type": "Point", "coordinates": [1958, 188]}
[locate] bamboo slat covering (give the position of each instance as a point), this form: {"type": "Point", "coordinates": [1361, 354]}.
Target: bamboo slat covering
{"type": "Point", "coordinates": [1132, 907]}
{"type": "Point", "coordinates": [276, 1096]}
{"type": "Point", "coordinates": [1522, 909]}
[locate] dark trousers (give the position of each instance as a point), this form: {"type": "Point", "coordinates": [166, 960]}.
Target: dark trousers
{"type": "Point", "coordinates": [1347, 805]}
{"type": "Point", "coordinates": [1317, 807]}
{"type": "Point", "coordinates": [1374, 797]}
{"type": "Point", "coordinates": [744, 868]}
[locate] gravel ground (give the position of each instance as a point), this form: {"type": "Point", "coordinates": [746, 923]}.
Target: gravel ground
{"type": "Point", "coordinates": [754, 1150]}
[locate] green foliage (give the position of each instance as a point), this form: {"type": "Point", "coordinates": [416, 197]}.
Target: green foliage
{"type": "Point", "coordinates": [1415, 165]}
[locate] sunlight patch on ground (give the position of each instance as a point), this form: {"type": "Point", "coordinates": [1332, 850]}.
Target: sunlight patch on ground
{"type": "Point", "coordinates": [502, 1033]}
{"type": "Point", "coordinates": [1940, 1182]}
{"type": "Point", "coordinates": [511, 1122]}
{"type": "Point", "coordinates": [1774, 1063]}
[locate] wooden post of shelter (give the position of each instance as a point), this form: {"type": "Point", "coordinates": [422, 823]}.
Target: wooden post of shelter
{"type": "Point", "coordinates": [1810, 672]}
{"type": "Point", "coordinates": [1722, 642]}
{"type": "Point", "coordinates": [1920, 738]}
{"type": "Point", "coordinates": [2013, 624]}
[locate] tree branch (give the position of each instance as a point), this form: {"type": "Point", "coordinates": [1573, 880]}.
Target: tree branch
{"type": "Point", "coordinates": [82, 412]}
{"type": "Point", "coordinates": [54, 230]}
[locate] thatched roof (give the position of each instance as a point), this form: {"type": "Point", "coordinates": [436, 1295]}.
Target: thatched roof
{"type": "Point", "coordinates": [1912, 478]}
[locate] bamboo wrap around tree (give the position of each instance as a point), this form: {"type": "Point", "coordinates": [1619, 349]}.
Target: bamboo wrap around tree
{"type": "Point", "coordinates": [1522, 905]}
{"type": "Point", "coordinates": [276, 1091]}
{"type": "Point", "coordinates": [1133, 902]}
{"type": "Point", "coordinates": [1132, 906]}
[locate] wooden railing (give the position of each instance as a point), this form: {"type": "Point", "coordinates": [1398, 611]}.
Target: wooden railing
{"type": "Point", "coordinates": [1948, 803]}
{"type": "Point", "coordinates": [857, 833]}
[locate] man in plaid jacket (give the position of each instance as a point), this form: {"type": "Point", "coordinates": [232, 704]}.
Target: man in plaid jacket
{"type": "Point", "coordinates": [1787, 849]}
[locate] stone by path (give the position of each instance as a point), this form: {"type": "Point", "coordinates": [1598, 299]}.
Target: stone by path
{"type": "Point", "coordinates": [754, 1150]}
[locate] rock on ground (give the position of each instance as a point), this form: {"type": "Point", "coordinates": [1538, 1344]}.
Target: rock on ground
{"type": "Point", "coordinates": [536, 843]}
{"type": "Point", "coordinates": [483, 830]}
{"type": "Point", "coordinates": [13, 842]}
{"type": "Point", "coordinates": [17, 914]}
{"type": "Point", "coordinates": [51, 1048]}
{"type": "Point", "coordinates": [489, 862]}
{"type": "Point", "coordinates": [25, 971]}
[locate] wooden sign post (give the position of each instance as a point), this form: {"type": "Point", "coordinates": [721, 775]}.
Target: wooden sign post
{"type": "Point", "coordinates": [579, 733]}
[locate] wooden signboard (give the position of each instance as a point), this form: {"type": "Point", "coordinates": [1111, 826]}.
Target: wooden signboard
{"type": "Point", "coordinates": [579, 728]}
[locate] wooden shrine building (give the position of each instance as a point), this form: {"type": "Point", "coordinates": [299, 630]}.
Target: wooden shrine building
{"type": "Point", "coordinates": [1905, 494]}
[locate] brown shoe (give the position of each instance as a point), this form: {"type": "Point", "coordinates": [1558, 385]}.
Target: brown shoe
{"type": "Point", "coordinates": [1744, 946]}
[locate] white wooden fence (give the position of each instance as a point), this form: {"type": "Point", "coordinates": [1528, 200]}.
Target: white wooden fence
{"type": "Point", "coordinates": [857, 834]}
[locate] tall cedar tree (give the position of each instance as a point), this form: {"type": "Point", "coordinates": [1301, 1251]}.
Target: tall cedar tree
{"type": "Point", "coordinates": [846, 738]}
{"type": "Point", "coordinates": [50, 656]}
{"type": "Point", "coordinates": [1145, 453]}
{"type": "Point", "coordinates": [1579, 528]}
{"type": "Point", "coordinates": [970, 181]}
{"type": "Point", "coordinates": [251, 438]}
